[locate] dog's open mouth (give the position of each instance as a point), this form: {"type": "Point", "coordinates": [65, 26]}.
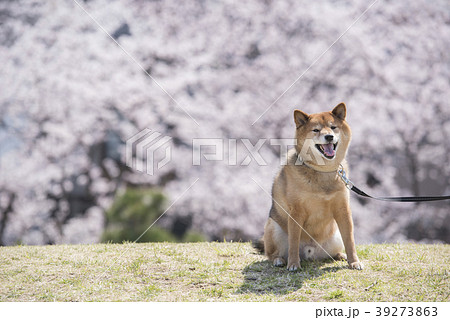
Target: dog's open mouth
{"type": "Point", "coordinates": [328, 150]}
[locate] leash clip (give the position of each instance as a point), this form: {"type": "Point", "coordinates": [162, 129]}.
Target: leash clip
{"type": "Point", "coordinates": [341, 173]}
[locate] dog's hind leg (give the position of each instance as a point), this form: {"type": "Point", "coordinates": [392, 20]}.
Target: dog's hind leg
{"type": "Point", "coordinates": [340, 256]}
{"type": "Point", "coordinates": [333, 248]}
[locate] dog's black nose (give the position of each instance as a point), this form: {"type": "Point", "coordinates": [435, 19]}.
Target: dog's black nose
{"type": "Point", "coordinates": [329, 137]}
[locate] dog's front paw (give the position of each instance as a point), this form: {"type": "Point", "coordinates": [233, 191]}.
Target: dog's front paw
{"type": "Point", "coordinates": [356, 265]}
{"type": "Point", "coordinates": [293, 266]}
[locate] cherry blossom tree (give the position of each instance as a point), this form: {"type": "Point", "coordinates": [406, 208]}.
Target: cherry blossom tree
{"type": "Point", "coordinates": [71, 97]}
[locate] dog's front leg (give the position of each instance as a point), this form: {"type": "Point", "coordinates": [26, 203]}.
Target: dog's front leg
{"type": "Point", "coordinates": [343, 217]}
{"type": "Point", "coordinates": [294, 233]}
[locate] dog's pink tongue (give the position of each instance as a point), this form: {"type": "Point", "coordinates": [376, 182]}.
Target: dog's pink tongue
{"type": "Point", "coordinates": [328, 149]}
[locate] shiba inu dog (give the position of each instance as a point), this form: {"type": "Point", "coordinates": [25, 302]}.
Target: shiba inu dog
{"type": "Point", "coordinates": [310, 217]}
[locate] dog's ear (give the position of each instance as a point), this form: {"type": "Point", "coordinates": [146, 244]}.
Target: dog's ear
{"type": "Point", "coordinates": [300, 118]}
{"type": "Point", "coordinates": [340, 111]}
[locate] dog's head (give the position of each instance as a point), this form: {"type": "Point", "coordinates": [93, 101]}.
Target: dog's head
{"type": "Point", "coordinates": [322, 138]}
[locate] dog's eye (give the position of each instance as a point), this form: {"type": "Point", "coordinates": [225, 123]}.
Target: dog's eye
{"type": "Point", "coordinates": [316, 130]}
{"type": "Point", "coordinates": [333, 127]}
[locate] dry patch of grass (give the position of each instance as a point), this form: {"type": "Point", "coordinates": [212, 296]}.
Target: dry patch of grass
{"type": "Point", "coordinates": [217, 272]}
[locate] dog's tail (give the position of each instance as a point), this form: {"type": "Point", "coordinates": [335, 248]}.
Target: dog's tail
{"type": "Point", "coordinates": [258, 244]}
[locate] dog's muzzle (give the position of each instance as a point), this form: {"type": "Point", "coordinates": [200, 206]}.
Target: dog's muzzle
{"type": "Point", "coordinates": [328, 150]}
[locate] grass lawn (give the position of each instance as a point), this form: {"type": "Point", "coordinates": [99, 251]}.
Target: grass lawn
{"type": "Point", "coordinates": [211, 271]}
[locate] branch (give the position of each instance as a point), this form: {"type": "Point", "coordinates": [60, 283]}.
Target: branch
{"type": "Point", "coordinates": [4, 216]}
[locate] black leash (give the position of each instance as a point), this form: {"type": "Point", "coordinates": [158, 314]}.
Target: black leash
{"type": "Point", "coordinates": [349, 185]}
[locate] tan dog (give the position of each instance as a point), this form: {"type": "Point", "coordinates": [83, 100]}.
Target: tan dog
{"type": "Point", "coordinates": [310, 204]}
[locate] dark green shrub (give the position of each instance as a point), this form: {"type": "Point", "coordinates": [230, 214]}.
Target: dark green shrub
{"type": "Point", "coordinates": [192, 236]}
{"type": "Point", "coordinates": [132, 213]}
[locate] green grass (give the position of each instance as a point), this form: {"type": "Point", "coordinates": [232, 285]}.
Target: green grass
{"type": "Point", "coordinates": [217, 272]}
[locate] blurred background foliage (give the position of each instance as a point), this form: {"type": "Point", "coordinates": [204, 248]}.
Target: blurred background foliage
{"type": "Point", "coordinates": [70, 99]}
{"type": "Point", "coordinates": [134, 211]}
